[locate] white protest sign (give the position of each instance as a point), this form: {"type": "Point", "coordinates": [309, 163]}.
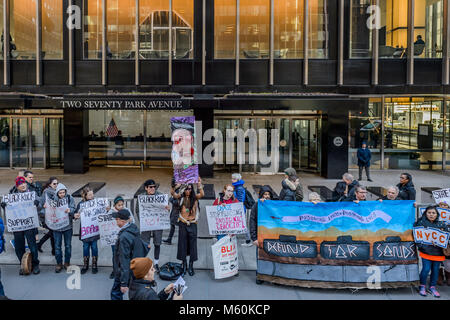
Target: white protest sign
{"type": "Point", "coordinates": [225, 257]}
{"type": "Point", "coordinates": [442, 195]}
{"type": "Point", "coordinates": [444, 214]}
{"type": "Point", "coordinates": [56, 216]}
{"type": "Point", "coordinates": [21, 213]}
{"type": "Point", "coordinates": [431, 236]}
{"type": "Point", "coordinates": [226, 219]}
{"type": "Point", "coordinates": [153, 214]}
{"type": "Point", "coordinates": [89, 212]}
{"type": "Point", "coordinates": [109, 230]}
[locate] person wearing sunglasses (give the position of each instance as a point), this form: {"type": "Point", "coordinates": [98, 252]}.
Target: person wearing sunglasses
{"type": "Point", "coordinates": [151, 188]}
{"type": "Point", "coordinates": [49, 192]}
{"type": "Point", "coordinates": [187, 227]}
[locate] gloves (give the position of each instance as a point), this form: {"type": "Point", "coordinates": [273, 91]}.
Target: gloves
{"type": "Point", "coordinates": [36, 203]}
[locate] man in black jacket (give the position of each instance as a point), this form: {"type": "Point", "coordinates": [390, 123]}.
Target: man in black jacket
{"type": "Point", "coordinates": [359, 195]}
{"type": "Point", "coordinates": [123, 253]}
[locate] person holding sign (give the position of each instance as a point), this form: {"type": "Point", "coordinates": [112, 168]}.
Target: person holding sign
{"type": "Point", "coordinates": [225, 197]}
{"type": "Point", "coordinates": [151, 190]}
{"type": "Point", "coordinates": [431, 255]}
{"type": "Point", "coordinates": [187, 231]}
{"type": "Point", "coordinates": [59, 216]}
{"type": "Point", "coordinates": [142, 286]}
{"type": "Point", "coordinates": [22, 212]}
{"type": "Point", "coordinates": [174, 213]}
{"type": "Point", "coordinates": [50, 192]}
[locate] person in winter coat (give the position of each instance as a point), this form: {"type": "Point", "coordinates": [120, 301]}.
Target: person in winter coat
{"type": "Point", "coordinates": [50, 192]}
{"type": "Point", "coordinates": [29, 235]}
{"type": "Point", "coordinates": [392, 194]}
{"type": "Point", "coordinates": [227, 196]}
{"type": "Point", "coordinates": [90, 245]}
{"type": "Point", "coordinates": [406, 187]}
{"type": "Point", "coordinates": [359, 195]}
{"type": "Point", "coordinates": [174, 213]}
{"type": "Point", "coordinates": [364, 155]}
{"type": "Point", "coordinates": [151, 188]}
{"type": "Point", "coordinates": [142, 286]}
{"type": "Point", "coordinates": [123, 253]}
{"type": "Point", "coordinates": [292, 189]}
{"type": "Point", "coordinates": [314, 197]}
{"type": "Point", "coordinates": [431, 255]}
{"type": "Point", "coordinates": [187, 227]}
{"type": "Point", "coordinates": [62, 198]}
{"type": "Point", "coordinates": [32, 186]}
{"type": "Point", "coordinates": [2, 248]}
{"type": "Point", "coordinates": [351, 184]}
{"type": "Point", "coordinates": [240, 194]}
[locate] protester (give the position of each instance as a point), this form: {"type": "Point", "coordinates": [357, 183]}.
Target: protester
{"type": "Point", "coordinates": [36, 187]}
{"type": "Point", "coordinates": [174, 213]}
{"type": "Point", "coordinates": [123, 253]}
{"type": "Point", "coordinates": [227, 196]}
{"type": "Point", "coordinates": [314, 197]}
{"type": "Point", "coordinates": [406, 187]}
{"type": "Point", "coordinates": [142, 286]}
{"type": "Point", "coordinates": [431, 255]}
{"type": "Point", "coordinates": [339, 191]}
{"type": "Point", "coordinates": [240, 194]}
{"type": "Point", "coordinates": [151, 188]}
{"type": "Point", "coordinates": [29, 235]}
{"type": "Point", "coordinates": [359, 195]}
{"type": "Point", "coordinates": [118, 204]}
{"type": "Point", "coordinates": [292, 189]}
{"type": "Point", "coordinates": [187, 228]}
{"type": "Point", "coordinates": [364, 155]}
{"type": "Point", "coordinates": [265, 193]}
{"type": "Point", "coordinates": [351, 184]}
{"type": "Point", "coordinates": [65, 232]}
{"type": "Point", "coordinates": [2, 248]}
{"type": "Point", "coordinates": [89, 244]}
{"type": "Point", "coordinates": [50, 192]}
{"type": "Point", "coordinates": [392, 194]}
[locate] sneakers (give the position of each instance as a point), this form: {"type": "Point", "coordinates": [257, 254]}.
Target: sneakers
{"type": "Point", "coordinates": [422, 291]}
{"type": "Point", "coordinates": [247, 243]}
{"type": "Point", "coordinates": [434, 292]}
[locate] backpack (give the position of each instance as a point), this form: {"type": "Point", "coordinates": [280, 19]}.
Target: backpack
{"type": "Point", "coordinates": [140, 248]}
{"type": "Point", "coordinates": [170, 271]}
{"type": "Point", "coordinates": [249, 202]}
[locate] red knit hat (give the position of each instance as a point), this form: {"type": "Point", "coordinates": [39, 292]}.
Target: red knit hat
{"type": "Point", "coordinates": [20, 180]}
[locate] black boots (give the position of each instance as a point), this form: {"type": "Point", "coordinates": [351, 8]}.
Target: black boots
{"type": "Point", "coordinates": [191, 268]}
{"type": "Point", "coordinates": [168, 241]}
{"type": "Point", "coordinates": [85, 265]}
{"type": "Point", "coordinates": [184, 267]}
{"type": "Point", "coordinates": [94, 265]}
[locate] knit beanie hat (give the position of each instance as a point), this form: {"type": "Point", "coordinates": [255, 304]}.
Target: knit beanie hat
{"type": "Point", "coordinates": [140, 267]}
{"type": "Point", "coordinates": [20, 180]}
{"type": "Point", "coordinates": [290, 172]}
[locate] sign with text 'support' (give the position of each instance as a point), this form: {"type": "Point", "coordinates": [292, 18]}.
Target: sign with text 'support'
{"type": "Point", "coordinates": [20, 211]}
{"type": "Point", "coordinates": [89, 213]}
{"type": "Point", "coordinates": [337, 244]}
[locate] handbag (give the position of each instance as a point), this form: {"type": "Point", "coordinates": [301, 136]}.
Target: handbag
{"type": "Point", "coordinates": [170, 271]}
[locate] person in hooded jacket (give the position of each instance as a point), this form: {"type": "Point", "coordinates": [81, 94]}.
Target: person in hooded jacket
{"type": "Point", "coordinates": [292, 190]}
{"type": "Point", "coordinates": [144, 281]}
{"type": "Point", "coordinates": [364, 155]}
{"type": "Point", "coordinates": [240, 193]}
{"type": "Point", "coordinates": [406, 187]}
{"type": "Point", "coordinates": [62, 197]}
{"type": "Point", "coordinates": [50, 192]}
{"type": "Point", "coordinates": [265, 193]}
{"type": "Point", "coordinates": [432, 256]}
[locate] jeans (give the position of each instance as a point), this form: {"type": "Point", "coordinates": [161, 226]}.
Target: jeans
{"type": "Point", "coordinates": [116, 294]}
{"type": "Point", "coordinates": [361, 171]}
{"type": "Point", "coordinates": [19, 243]}
{"type": "Point", "coordinates": [2, 291]}
{"type": "Point", "coordinates": [93, 246]}
{"type": "Point", "coordinates": [67, 235]}
{"type": "Point", "coordinates": [428, 265]}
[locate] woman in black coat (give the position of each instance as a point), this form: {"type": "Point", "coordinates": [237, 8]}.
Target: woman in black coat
{"type": "Point", "coordinates": [406, 187]}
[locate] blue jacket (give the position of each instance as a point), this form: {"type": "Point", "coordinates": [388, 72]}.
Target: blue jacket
{"type": "Point", "coordinates": [2, 239]}
{"type": "Point", "coordinates": [239, 190]}
{"type": "Point", "coordinates": [364, 156]}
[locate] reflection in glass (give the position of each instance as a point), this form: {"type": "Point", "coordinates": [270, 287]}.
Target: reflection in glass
{"type": "Point", "coordinates": [23, 29]}
{"type": "Point", "coordinates": [4, 142]}
{"type": "Point", "coordinates": [20, 142]}
{"type": "Point", "coordinates": [254, 29]}
{"type": "Point", "coordinates": [37, 142]}
{"type": "Point", "coordinates": [288, 29]}
{"type": "Point", "coordinates": [224, 29]}
{"type": "Point", "coordinates": [93, 30]}
{"type": "Point", "coordinates": [428, 28]}
{"type": "Point", "coordinates": [120, 19]}
{"type": "Point", "coordinates": [318, 29]}
{"type": "Point", "coordinates": [52, 29]}
{"type": "Point", "coordinates": [360, 34]}
{"type": "Point", "coordinates": [55, 148]}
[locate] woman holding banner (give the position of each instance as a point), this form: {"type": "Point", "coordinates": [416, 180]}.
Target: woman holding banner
{"type": "Point", "coordinates": [187, 231]}
{"type": "Point", "coordinates": [431, 255]}
{"type": "Point", "coordinates": [225, 197]}
{"type": "Point", "coordinates": [50, 192]}
{"type": "Point", "coordinates": [62, 228]}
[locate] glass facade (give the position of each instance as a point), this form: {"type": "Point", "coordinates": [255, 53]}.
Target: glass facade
{"type": "Point", "coordinates": [288, 34]}
{"type": "Point", "coordinates": [254, 29]}
{"type": "Point", "coordinates": [23, 29]}
{"type": "Point", "coordinates": [360, 33]}
{"type": "Point", "coordinates": [52, 29]}
{"type": "Point", "coordinates": [318, 29]}
{"type": "Point", "coordinates": [120, 21]}
{"type": "Point", "coordinates": [93, 29]}
{"type": "Point", "coordinates": [224, 29]}
{"type": "Point", "coordinates": [428, 28]}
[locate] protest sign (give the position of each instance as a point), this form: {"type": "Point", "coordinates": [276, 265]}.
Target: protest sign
{"type": "Point", "coordinates": [226, 219]}
{"type": "Point", "coordinates": [444, 214]}
{"type": "Point", "coordinates": [109, 230]}
{"type": "Point", "coordinates": [331, 245]}
{"type": "Point", "coordinates": [431, 236]}
{"type": "Point", "coordinates": [225, 257]}
{"type": "Point", "coordinates": [21, 213]}
{"type": "Point", "coordinates": [89, 212]}
{"type": "Point", "coordinates": [442, 195]}
{"type": "Point", "coordinates": [153, 214]}
{"type": "Point", "coordinates": [56, 216]}
{"type": "Point", "coordinates": [184, 153]}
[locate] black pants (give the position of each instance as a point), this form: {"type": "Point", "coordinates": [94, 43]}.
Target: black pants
{"type": "Point", "coordinates": [19, 244]}
{"type": "Point", "coordinates": [361, 171]}
{"type": "Point", "coordinates": [172, 231]}
{"type": "Point", "coordinates": [187, 242]}
{"type": "Point", "coordinates": [48, 235]}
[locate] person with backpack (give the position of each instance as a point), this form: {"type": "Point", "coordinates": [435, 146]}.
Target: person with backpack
{"type": "Point", "coordinates": [2, 248]}
{"type": "Point", "coordinates": [129, 245]}
{"type": "Point", "coordinates": [242, 194]}
{"type": "Point", "coordinates": [292, 189]}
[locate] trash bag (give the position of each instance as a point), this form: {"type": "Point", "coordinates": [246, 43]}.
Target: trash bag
{"type": "Point", "coordinates": [170, 271]}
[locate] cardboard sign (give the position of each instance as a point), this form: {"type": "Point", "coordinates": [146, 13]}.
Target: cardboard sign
{"type": "Point", "coordinates": [444, 214]}
{"type": "Point", "coordinates": [56, 216]}
{"type": "Point", "coordinates": [442, 195]}
{"type": "Point", "coordinates": [431, 236]}
{"type": "Point", "coordinates": [226, 219]}
{"type": "Point", "coordinates": [89, 211]}
{"type": "Point", "coordinates": [21, 213]}
{"type": "Point", "coordinates": [153, 214]}
{"type": "Point", "coordinates": [225, 257]}
{"type": "Point", "coordinates": [109, 230]}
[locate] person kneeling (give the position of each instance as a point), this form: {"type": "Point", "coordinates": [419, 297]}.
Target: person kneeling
{"type": "Point", "coordinates": [141, 288]}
